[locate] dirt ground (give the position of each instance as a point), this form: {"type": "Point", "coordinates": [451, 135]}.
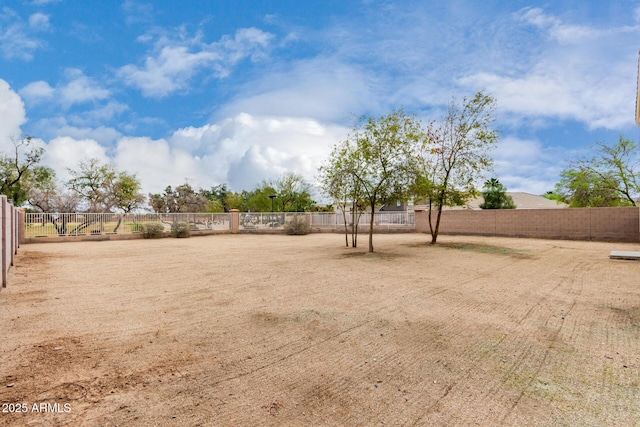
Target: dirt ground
{"type": "Point", "coordinates": [298, 330]}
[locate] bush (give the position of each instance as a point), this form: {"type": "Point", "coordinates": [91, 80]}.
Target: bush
{"type": "Point", "coordinates": [153, 231]}
{"type": "Point", "coordinates": [136, 227]}
{"type": "Point", "coordinates": [180, 229]}
{"type": "Point", "coordinates": [298, 226]}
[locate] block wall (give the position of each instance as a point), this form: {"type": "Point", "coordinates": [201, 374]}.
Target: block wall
{"type": "Point", "coordinates": [602, 224]}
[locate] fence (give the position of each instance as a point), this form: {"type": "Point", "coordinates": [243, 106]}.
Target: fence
{"type": "Point", "coordinates": [601, 224]}
{"type": "Point", "coordinates": [9, 228]}
{"type": "Point", "coordinates": [381, 219]}
{"type": "Point", "coordinates": [96, 224]}
{"type": "Point", "coordinates": [324, 220]}
{"type": "Point", "coordinates": [82, 224]}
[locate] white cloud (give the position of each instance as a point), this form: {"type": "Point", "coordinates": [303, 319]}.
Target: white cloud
{"type": "Point", "coordinates": [59, 127]}
{"type": "Point", "coordinates": [12, 116]}
{"type": "Point", "coordinates": [556, 29]}
{"type": "Point", "coordinates": [157, 164]}
{"type": "Point", "coordinates": [174, 62]}
{"type": "Point", "coordinates": [64, 153]}
{"type": "Point", "coordinates": [136, 13]}
{"type": "Point", "coordinates": [246, 149]}
{"type": "Point", "coordinates": [580, 73]}
{"type": "Point", "coordinates": [80, 88]}
{"type": "Point", "coordinates": [76, 89]}
{"type": "Point", "coordinates": [16, 39]}
{"type": "Point", "coordinates": [241, 151]}
{"type": "Point", "coordinates": [44, 2]}
{"type": "Point", "coordinates": [526, 165]}
{"type": "Point", "coordinates": [36, 92]}
{"type": "Point", "coordinates": [323, 88]}
{"type": "Point", "coordinates": [39, 22]}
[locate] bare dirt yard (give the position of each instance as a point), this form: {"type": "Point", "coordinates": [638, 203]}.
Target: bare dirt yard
{"type": "Point", "coordinates": [298, 330]}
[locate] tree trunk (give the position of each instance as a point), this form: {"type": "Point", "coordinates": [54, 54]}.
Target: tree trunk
{"type": "Point", "coordinates": [115, 229]}
{"type": "Point", "coordinates": [434, 232]}
{"type": "Point", "coordinates": [346, 229]}
{"type": "Point", "coordinates": [373, 207]}
{"type": "Point", "coordinates": [354, 225]}
{"type": "Point", "coordinates": [430, 223]}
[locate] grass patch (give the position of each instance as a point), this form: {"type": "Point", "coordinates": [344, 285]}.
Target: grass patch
{"type": "Point", "coordinates": [488, 249]}
{"type": "Point", "coordinates": [370, 255]}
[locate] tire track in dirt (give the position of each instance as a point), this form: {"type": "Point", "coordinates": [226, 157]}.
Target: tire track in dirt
{"type": "Point", "coordinates": [480, 358]}
{"type": "Point", "coordinates": [576, 275]}
{"type": "Point", "coordinates": [450, 328]}
{"type": "Point", "coordinates": [277, 360]}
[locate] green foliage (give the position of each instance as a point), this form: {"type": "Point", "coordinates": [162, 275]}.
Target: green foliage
{"type": "Point", "coordinates": [221, 199]}
{"type": "Point", "coordinates": [257, 200]}
{"type": "Point", "coordinates": [298, 226]}
{"type": "Point", "coordinates": [552, 195]}
{"type": "Point", "coordinates": [233, 201]}
{"type": "Point", "coordinates": [180, 229]}
{"type": "Point", "coordinates": [183, 198]}
{"type": "Point", "coordinates": [153, 231]}
{"type": "Point", "coordinates": [373, 163]}
{"type": "Point", "coordinates": [136, 227]}
{"type": "Point", "coordinates": [292, 193]}
{"type": "Point", "coordinates": [495, 196]}
{"type": "Point", "coordinates": [102, 188]}
{"type": "Point", "coordinates": [454, 154]}
{"type": "Point", "coordinates": [20, 172]}
{"type": "Point", "coordinates": [337, 181]}
{"type": "Point", "coordinates": [611, 178]}
{"type": "Point", "coordinates": [288, 193]}
{"type": "Point", "coordinates": [214, 206]}
{"type": "Point", "coordinates": [583, 187]}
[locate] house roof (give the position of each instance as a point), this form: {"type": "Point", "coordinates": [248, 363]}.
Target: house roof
{"type": "Point", "coordinates": [521, 200]}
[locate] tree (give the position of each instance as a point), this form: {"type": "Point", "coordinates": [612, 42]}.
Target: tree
{"type": "Point", "coordinates": [221, 199]}
{"type": "Point", "coordinates": [183, 198]}
{"type": "Point", "coordinates": [582, 187]}
{"type": "Point", "coordinates": [375, 159]}
{"type": "Point", "coordinates": [495, 196]}
{"type": "Point", "coordinates": [454, 155]}
{"type": "Point", "coordinates": [258, 200]}
{"type": "Point", "coordinates": [337, 181]}
{"type": "Point", "coordinates": [553, 195]}
{"type": "Point", "coordinates": [611, 178]}
{"type": "Point", "coordinates": [51, 199]}
{"type": "Point", "coordinates": [20, 172]}
{"type": "Point", "coordinates": [102, 188]}
{"type": "Point", "coordinates": [292, 193]}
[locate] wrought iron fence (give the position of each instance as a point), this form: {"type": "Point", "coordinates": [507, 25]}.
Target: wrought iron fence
{"type": "Point", "coordinates": [81, 224]}
{"type": "Point", "coordinates": [322, 219]}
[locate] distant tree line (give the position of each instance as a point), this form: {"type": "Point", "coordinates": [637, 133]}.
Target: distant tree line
{"type": "Point", "coordinates": [288, 193]}
{"type": "Point", "coordinates": [96, 187]}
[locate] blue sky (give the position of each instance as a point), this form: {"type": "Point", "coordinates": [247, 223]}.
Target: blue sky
{"type": "Point", "coordinates": [210, 92]}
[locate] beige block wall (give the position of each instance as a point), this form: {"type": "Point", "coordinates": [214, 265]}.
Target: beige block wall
{"type": "Point", "coordinates": [605, 224]}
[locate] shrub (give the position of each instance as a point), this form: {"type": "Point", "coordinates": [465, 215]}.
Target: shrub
{"type": "Point", "coordinates": [153, 231]}
{"type": "Point", "coordinates": [180, 229]}
{"type": "Point", "coordinates": [298, 226]}
{"type": "Point", "coordinates": [136, 227]}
